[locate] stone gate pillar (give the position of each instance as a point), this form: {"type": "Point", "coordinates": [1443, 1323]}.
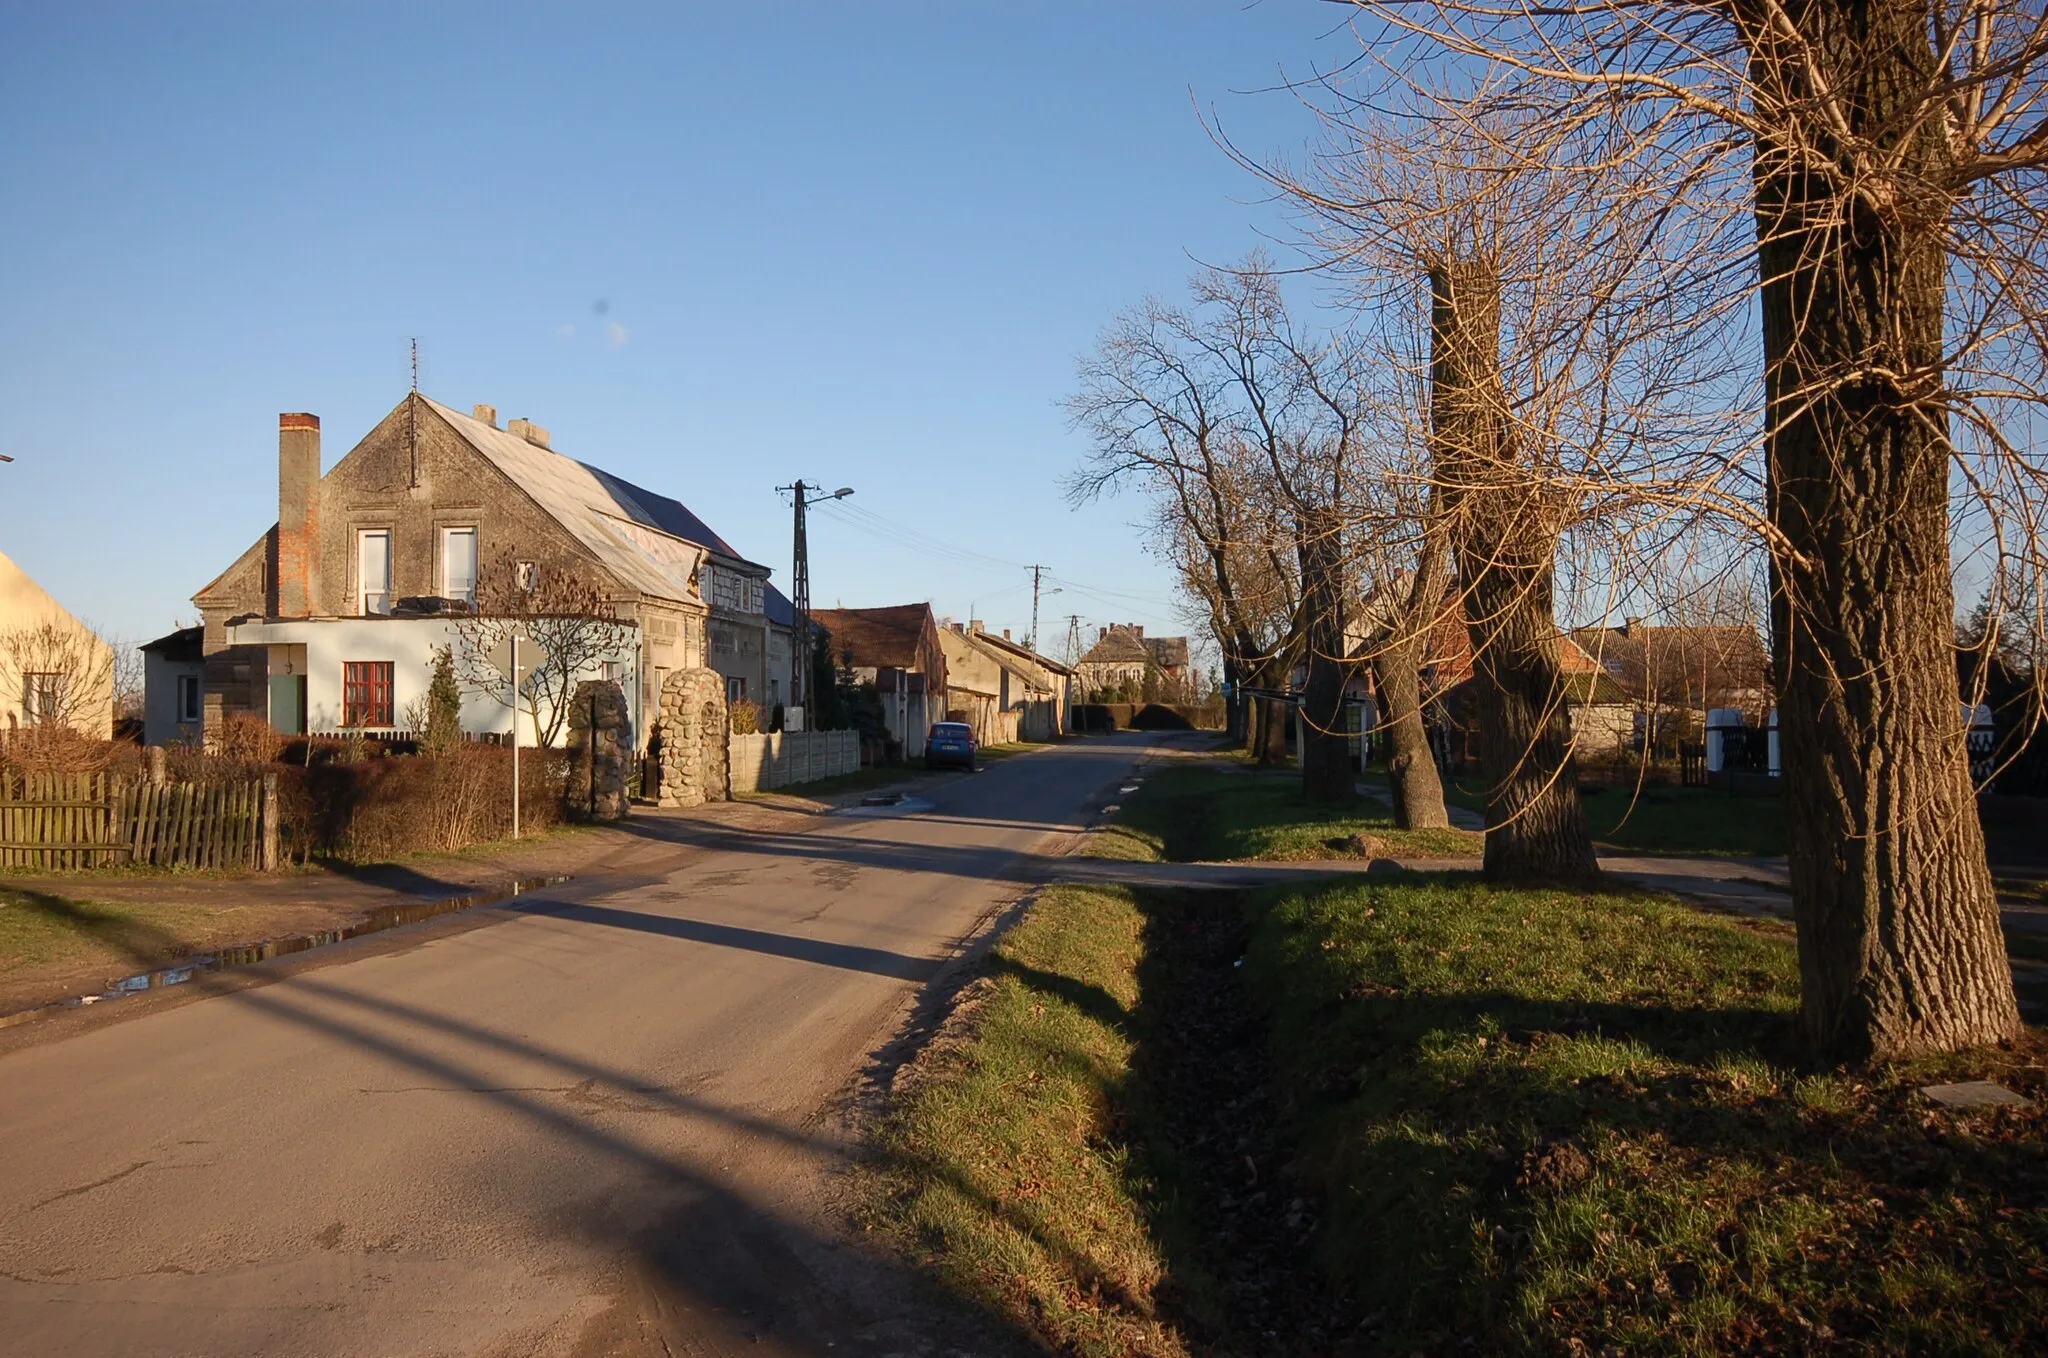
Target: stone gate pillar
{"type": "Point", "coordinates": [599, 725]}
{"type": "Point", "coordinates": [693, 739]}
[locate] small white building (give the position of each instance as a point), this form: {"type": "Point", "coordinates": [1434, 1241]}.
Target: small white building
{"type": "Point", "coordinates": [174, 688]}
{"type": "Point", "coordinates": [333, 675]}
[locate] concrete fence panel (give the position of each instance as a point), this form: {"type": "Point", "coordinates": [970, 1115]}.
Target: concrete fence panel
{"type": "Point", "coordinates": [789, 758]}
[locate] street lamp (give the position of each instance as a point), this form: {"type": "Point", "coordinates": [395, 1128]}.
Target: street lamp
{"type": "Point", "coordinates": [800, 587]}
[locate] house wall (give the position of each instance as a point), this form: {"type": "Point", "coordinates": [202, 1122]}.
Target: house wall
{"type": "Point", "coordinates": [1029, 698]}
{"type": "Point", "coordinates": [24, 606]}
{"type": "Point", "coordinates": [1603, 728]}
{"type": "Point", "coordinates": [969, 667]}
{"type": "Point", "coordinates": [374, 486]}
{"type": "Point", "coordinates": [776, 676]}
{"type": "Point", "coordinates": [160, 723]}
{"type": "Point", "coordinates": [319, 649]}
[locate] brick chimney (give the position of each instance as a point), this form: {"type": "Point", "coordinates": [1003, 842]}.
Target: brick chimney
{"type": "Point", "coordinates": [484, 414]}
{"type": "Point", "coordinates": [974, 624]}
{"type": "Point", "coordinates": [295, 577]}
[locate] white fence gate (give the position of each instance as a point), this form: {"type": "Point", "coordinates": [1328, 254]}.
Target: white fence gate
{"type": "Point", "coordinates": [760, 762]}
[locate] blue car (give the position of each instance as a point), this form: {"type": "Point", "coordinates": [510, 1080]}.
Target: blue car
{"type": "Point", "coordinates": [950, 745]}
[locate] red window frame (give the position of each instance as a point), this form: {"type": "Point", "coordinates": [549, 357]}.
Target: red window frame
{"type": "Point", "coordinates": [366, 693]}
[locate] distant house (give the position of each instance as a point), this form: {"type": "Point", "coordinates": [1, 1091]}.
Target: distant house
{"type": "Point", "coordinates": [897, 649]}
{"type": "Point", "coordinates": [174, 688]}
{"type": "Point", "coordinates": [1674, 674]}
{"type": "Point", "coordinates": [331, 619]}
{"type": "Point", "coordinates": [54, 670]}
{"type": "Point", "coordinates": [1149, 669]}
{"type": "Point", "coordinates": [1006, 690]}
{"type": "Point", "coordinates": [1601, 715]}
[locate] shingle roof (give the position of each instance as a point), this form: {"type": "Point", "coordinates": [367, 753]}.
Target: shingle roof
{"type": "Point", "coordinates": [889, 637]}
{"type": "Point", "coordinates": [1118, 646]}
{"type": "Point", "coordinates": [187, 643]}
{"type": "Point", "coordinates": [650, 542]}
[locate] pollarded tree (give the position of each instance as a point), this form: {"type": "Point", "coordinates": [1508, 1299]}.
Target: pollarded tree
{"type": "Point", "coordinates": [1884, 159]}
{"type": "Point", "coordinates": [1526, 352]}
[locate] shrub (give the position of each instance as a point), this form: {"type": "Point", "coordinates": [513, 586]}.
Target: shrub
{"type": "Point", "coordinates": [55, 749]}
{"type": "Point", "coordinates": [375, 809]}
{"type": "Point", "coordinates": [243, 738]}
{"type": "Point", "coordinates": [746, 718]}
{"type": "Point", "coordinates": [1159, 717]}
{"type": "Point", "coordinates": [442, 730]}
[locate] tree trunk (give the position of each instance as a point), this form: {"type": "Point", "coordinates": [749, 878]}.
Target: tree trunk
{"type": "Point", "coordinates": [1411, 765]}
{"type": "Point", "coordinates": [1236, 730]}
{"type": "Point", "coordinates": [1504, 539]}
{"type": "Point", "coordinates": [1900, 949]}
{"type": "Point", "coordinates": [1326, 772]}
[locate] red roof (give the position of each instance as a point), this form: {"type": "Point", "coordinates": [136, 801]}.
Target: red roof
{"type": "Point", "coordinates": [901, 636]}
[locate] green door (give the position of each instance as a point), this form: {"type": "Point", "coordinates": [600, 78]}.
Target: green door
{"type": "Point", "coordinates": [288, 704]}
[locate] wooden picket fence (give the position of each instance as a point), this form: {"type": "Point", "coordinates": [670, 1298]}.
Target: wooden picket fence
{"type": "Point", "coordinates": [91, 820]}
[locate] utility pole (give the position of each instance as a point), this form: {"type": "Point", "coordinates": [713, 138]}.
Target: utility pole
{"type": "Point", "coordinates": [1073, 639]}
{"type": "Point", "coordinates": [1031, 642]}
{"type": "Point", "coordinates": [800, 586]}
{"type": "Point", "coordinates": [800, 595]}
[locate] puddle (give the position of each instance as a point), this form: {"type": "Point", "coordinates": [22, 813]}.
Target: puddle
{"type": "Point", "coordinates": [895, 805]}
{"type": "Point", "coordinates": [883, 799]}
{"type": "Point", "coordinates": [228, 959]}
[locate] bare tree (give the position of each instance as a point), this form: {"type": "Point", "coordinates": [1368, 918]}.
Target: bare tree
{"type": "Point", "coordinates": [1518, 381]}
{"type": "Point", "coordinates": [564, 614]}
{"type": "Point", "coordinates": [1245, 424]}
{"type": "Point", "coordinates": [57, 676]}
{"type": "Point", "coordinates": [128, 681]}
{"type": "Point", "coordinates": [1884, 159]}
{"type": "Point", "coordinates": [1160, 414]}
{"type": "Point", "coordinates": [1505, 532]}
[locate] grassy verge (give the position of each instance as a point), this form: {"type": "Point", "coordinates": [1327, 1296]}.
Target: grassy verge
{"type": "Point", "coordinates": [42, 931]}
{"type": "Point", "coordinates": [1001, 1167]}
{"type": "Point", "coordinates": [1691, 820]}
{"type": "Point", "coordinates": [1665, 820]}
{"type": "Point", "coordinates": [1542, 1120]}
{"type": "Point", "coordinates": [1188, 815]}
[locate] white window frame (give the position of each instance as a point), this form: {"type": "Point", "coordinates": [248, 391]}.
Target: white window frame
{"type": "Point", "coordinates": [450, 534]}
{"type": "Point", "coordinates": [363, 591]}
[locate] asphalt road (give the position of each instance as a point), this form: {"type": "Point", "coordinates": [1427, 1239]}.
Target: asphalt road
{"type": "Point", "coordinates": [604, 1121]}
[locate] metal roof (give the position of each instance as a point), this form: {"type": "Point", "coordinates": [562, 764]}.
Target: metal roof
{"type": "Point", "coordinates": [649, 542]}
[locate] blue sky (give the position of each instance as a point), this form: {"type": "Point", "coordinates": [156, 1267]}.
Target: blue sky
{"type": "Point", "coordinates": [712, 248]}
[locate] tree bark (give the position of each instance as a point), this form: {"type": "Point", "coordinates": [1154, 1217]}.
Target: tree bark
{"type": "Point", "coordinates": [1504, 540]}
{"type": "Point", "coordinates": [1411, 765]}
{"type": "Point", "coordinates": [1326, 772]}
{"type": "Point", "coordinates": [1900, 948]}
